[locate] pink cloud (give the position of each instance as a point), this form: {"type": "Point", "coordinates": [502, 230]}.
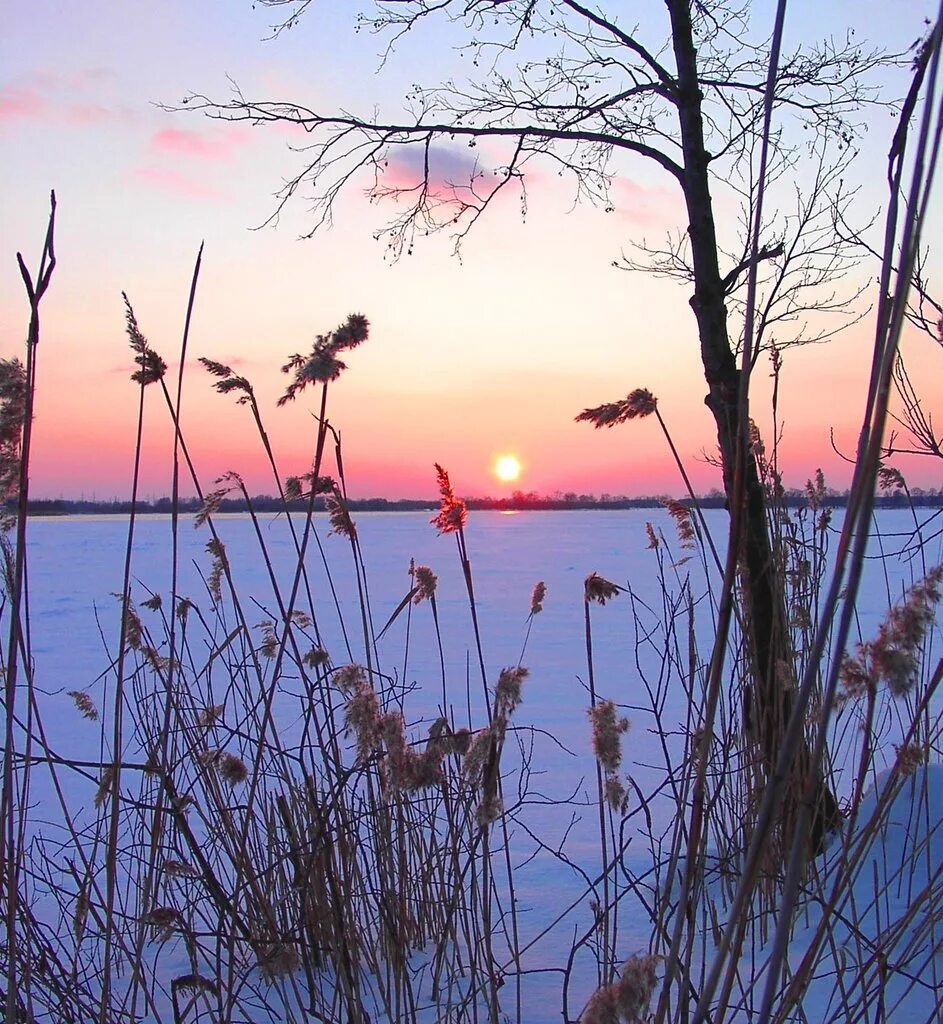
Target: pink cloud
{"type": "Point", "coordinates": [20, 103]}
{"type": "Point", "coordinates": [178, 184]}
{"type": "Point", "coordinates": [290, 128]}
{"type": "Point", "coordinates": [449, 173]}
{"type": "Point", "coordinates": [180, 142]}
{"type": "Point", "coordinates": [50, 96]}
{"type": "Point", "coordinates": [646, 206]}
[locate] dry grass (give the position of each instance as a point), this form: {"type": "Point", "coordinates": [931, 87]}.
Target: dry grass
{"type": "Point", "coordinates": [266, 834]}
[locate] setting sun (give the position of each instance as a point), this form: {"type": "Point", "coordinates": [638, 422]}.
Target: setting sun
{"type": "Point", "coordinates": [507, 468]}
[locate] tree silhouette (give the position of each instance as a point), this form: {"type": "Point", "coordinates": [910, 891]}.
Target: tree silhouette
{"type": "Point", "coordinates": [566, 82]}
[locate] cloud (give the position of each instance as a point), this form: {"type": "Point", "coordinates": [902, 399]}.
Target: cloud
{"type": "Point", "coordinates": [647, 206]}
{"type": "Point", "coordinates": [203, 146]}
{"type": "Point", "coordinates": [70, 99]}
{"type": "Point", "coordinates": [450, 170]}
{"type": "Point", "coordinates": [290, 128]}
{"type": "Point", "coordinates": [178, 184]}
{"type": "Point", "coordinates": [18, 104]}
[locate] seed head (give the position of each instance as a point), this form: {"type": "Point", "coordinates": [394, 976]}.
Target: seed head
{"type": "Point", "coordinates": [364, 719]}
{"type": "Point", "coordinates": [489, 809]}
{"type": "Point", "coordinates": [341, 523]}
{"type": "Point", "coordinates": [322, 365]}
{"type": "Point", "coordinates": [196, 983]}
{"type": "Point", "coordinates": [507, 694]}
{"type": "Point", "coordinates": [216, 369]}
{"type": "Point", "coordinates": [228, 381]}
{"type": "Point", "coordinates": [537, 597]}
{"type": "Point", "coordinates": [348, 678]}
{"type": "Point", "coordinates": [353, 332]}
{"type": "Point", "coordinates": [104, 785]}
{"type": "Point", "coordinates": [636, 405]}
{"type": "Point", "coordinates": [598, 589]}
{"type": "Point", "coordinates": [425, 583]}
{"type": "Point", "coordinates": [268, 648]}
{"type": "Point", "coordinates": [12, 413]}
{"type": "Point", "coordinates": [615, 793]}
{"type": "Point", "coordinates": [460, 741]}
{"type": "Point", "coordinates": [476, 755]}
{"type": "Point", "coordinates": [607, 732]}
{"type": "Point", "coordinates": [84, 704]}
{"type": "Point", "coordinates": [602, 1007]}
{"type": "Point", "coordinates": [292, 488]}
{"type": "Point", "coordinates": [232, 769]}
{"type": "Point", "coordinates": [162, 917]}
{"type": "Point", "coordinates": [453, 513]}
{"type": "Point", "coordinates": [81, 913]}
{"type": "Point", "coordinates": [684, 522]}
{"type": "Point", "coordinates": [218, 567]}
{"type": "Point", "coordinates": [152, 367]}
{"type": "Point", "coordinates": [393, 731]}
{"type": "Point", "coordinates": [757, 445]}
{"type": "Point", "coordinates": [133, 630]}
{"type": "Point", "coordinates": [815, 490]}
{"type": "Point", "coordinates": [211, 503]}
{"type": "Point", "coordinates": [910, 757]}
{"type": "Point", "coordinates": [316, 657]}
{"type": "Point", "coordinates": [184, 604]}
{"type": "Point", "coordinates": [180, 869]}
{"type": "Point", "coordinates": [890, 479]}
{"type": "Point", "coordinates": [894, 655]}
{"type": "Point", "coordinates": [635, 988]}
{"type": "Point", "coordinates": [210, 715]}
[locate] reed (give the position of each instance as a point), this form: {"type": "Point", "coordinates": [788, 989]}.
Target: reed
{"type": "Point", "coordinates": [271, 831]}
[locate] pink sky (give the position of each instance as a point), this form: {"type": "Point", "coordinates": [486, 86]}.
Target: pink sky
{"type": "Point", "coordinates": [467, 359]}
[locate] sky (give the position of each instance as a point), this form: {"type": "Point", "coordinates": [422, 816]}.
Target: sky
{"type": "Point", "coordinates": [468, 359]}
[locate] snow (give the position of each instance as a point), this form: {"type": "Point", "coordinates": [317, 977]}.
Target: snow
{"type": "Point", "coordinates": [892, 954]}
{"type": "Point", "coordinates": [76, 566]}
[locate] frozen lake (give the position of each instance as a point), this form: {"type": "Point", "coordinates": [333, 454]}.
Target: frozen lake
{"type": "Point", "coordinates": [76, 566]}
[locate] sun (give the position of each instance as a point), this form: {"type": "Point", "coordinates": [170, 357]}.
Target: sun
{"type": "Point", "coordinates": [507, 468]}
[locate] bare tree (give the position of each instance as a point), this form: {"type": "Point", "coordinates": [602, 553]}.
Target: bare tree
{"type": "Point", "coordinates": [570, 83]}
{"type": "Point", "coordinates": [805, 271]}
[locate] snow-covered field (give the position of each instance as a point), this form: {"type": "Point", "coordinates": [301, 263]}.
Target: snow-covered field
{"type": "Point", "coordinates": [76, 565]}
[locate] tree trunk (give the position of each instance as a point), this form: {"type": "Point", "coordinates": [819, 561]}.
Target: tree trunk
{"type": "Point", "coordinates": [771, 698]}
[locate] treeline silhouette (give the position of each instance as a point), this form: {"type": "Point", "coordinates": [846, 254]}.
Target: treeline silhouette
{"type": "Point", "coordinates": [518, 501]}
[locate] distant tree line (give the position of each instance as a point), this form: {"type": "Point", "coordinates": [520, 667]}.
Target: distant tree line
{"type": "Point", "coordinates": [515, 502]}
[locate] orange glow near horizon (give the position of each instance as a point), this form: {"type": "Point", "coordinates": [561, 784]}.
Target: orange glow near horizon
{"type": "Point", "coordinates": [507, 468]}
{"type": "Point", "coordinates": [445, 377]}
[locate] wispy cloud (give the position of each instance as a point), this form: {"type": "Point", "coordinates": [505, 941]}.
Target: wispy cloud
{"type": "Point", "coordinates": [646, 206]}
{"type": "Point", "coordinates": [75, 99]}
{"type": "Point", "coordinates": [218, 145]}
{"type": "Point", "coordinates": [448, 172]}
{"type": "Point", "coordinates": [178, 184]}
{"type": "Point", "coordinates": [21, 104]}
